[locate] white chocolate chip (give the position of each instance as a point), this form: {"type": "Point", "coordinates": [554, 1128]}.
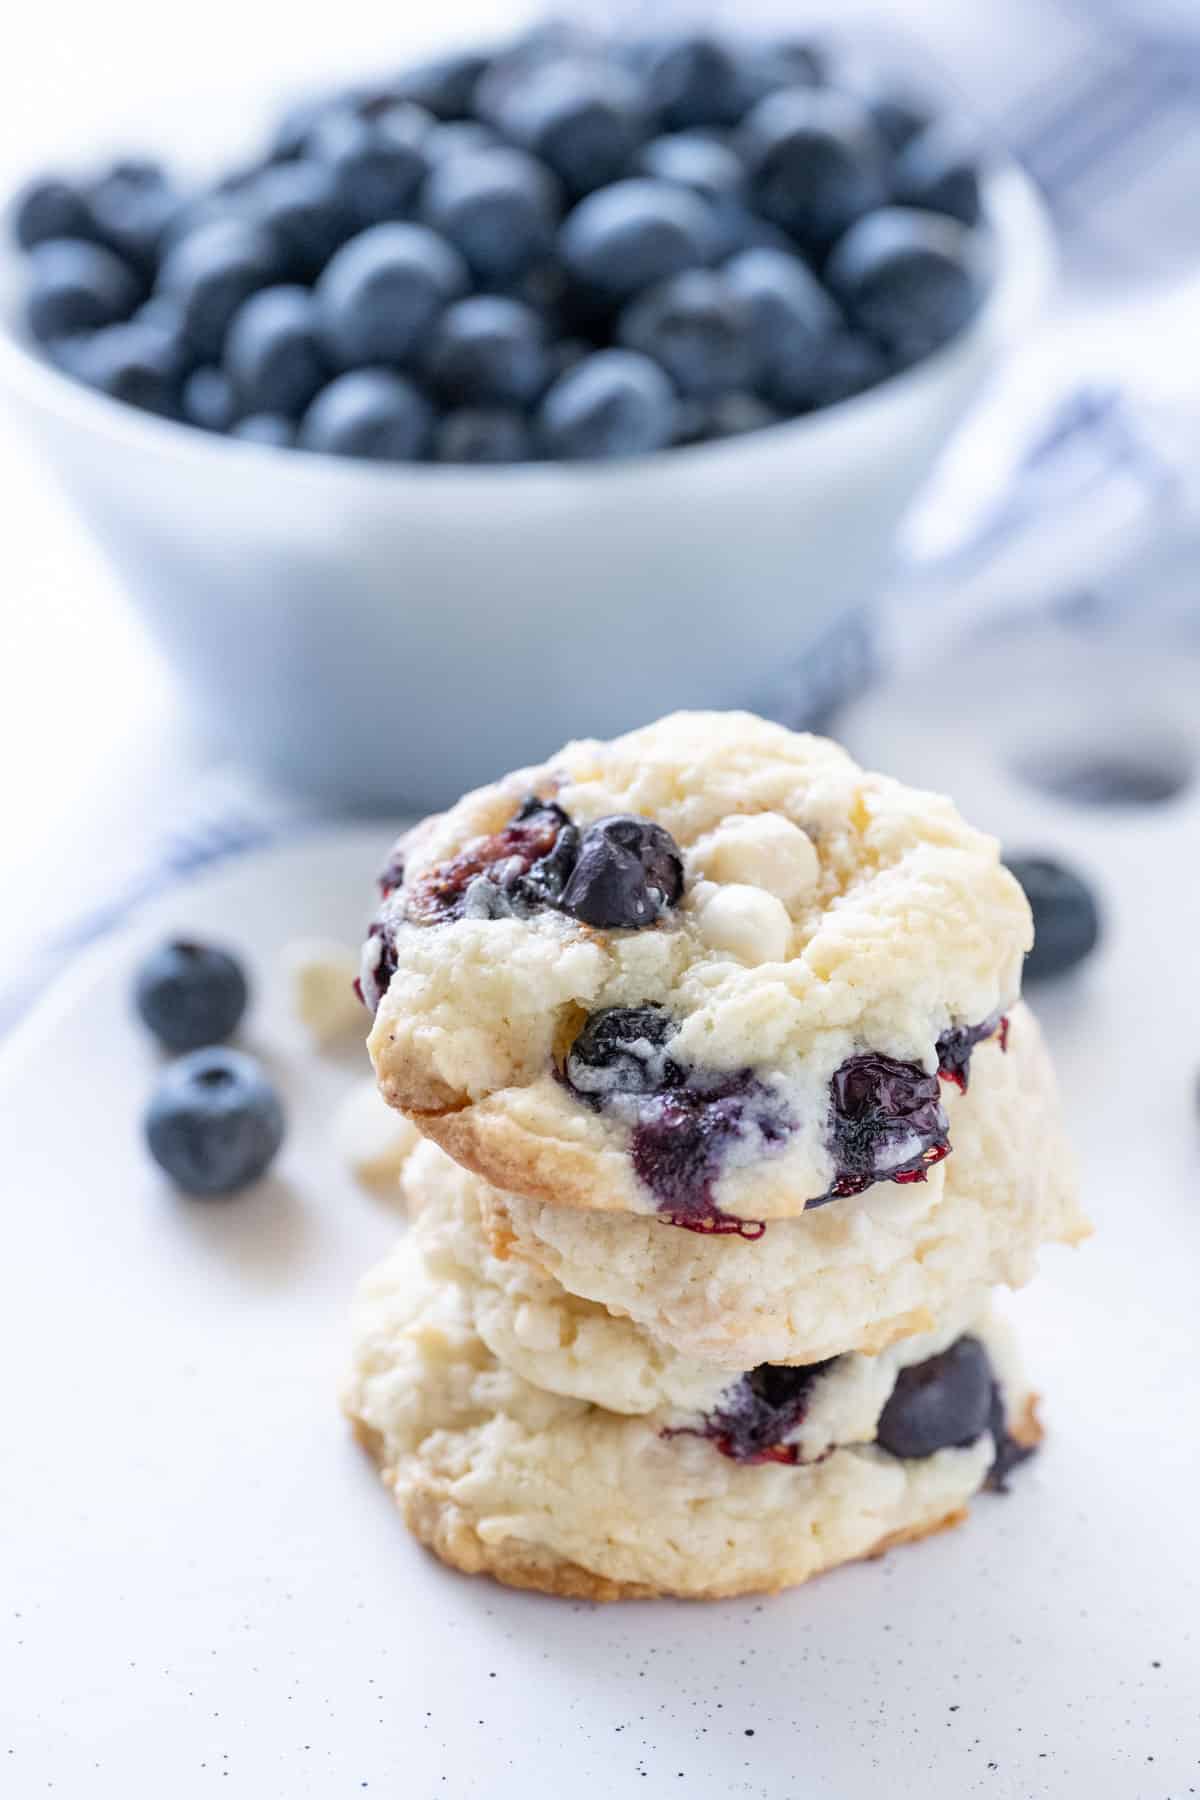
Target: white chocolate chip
{"type": "Point", "coordinates": [765, 850]}
{"type": "Point", "coordinates": [746, 921]}
{"type": "Point", "coordinates": [372, 1138]}
{"type": "Point", "coordinates": [322, 979]}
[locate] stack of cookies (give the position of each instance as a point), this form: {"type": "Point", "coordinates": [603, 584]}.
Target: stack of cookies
{"type": "Point", "coordinates": [732, 1121]}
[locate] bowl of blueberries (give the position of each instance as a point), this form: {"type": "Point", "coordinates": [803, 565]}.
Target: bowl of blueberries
{"type": "Point", "coordinates": [520, 395]}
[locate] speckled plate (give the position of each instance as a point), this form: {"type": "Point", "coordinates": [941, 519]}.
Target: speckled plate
{"type": "Point", "coordinates": [208, 1591]}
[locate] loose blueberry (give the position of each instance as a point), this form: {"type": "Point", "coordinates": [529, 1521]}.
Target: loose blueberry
{"type": "Point", "coordinates": [942, 1403]}
{"type": "Point", "coordinates": [849, 364]}
{"type": "Point", "coordinates": [444, 86]}
{"type": "Point", "coordinates": [380, 294]}
{"type": "Point", "coordinates": [614, 403]}
{"type": "Point", "coordinates": [815, 162]}
{"type": "Point", "coordinates": [1066, 915]}
{"type": "Point", "coordinates": [377, 164]}
{"type": "Point", "coordinates": [298, 204]}
{"type": "Point", "coordinates": [622, 1050]}
{"type": "Point", "coordinates": [635, 233]}
{"type": "Point", "coordinates": [582, 117]}
{"type": "Point", "coordinates": [488, 350]}
{"type": "Point", "coordinates": [785, 62]}
{"type": "Point", "coordinates": [210, 272]}
{"type": "Point", "coordinates": [938, 170]}
{"type": "Point", "coordinates": [499, 207]}
{"type": "Point", "coordinates": [208, 399]}
{"type": "Point", "coordinates": [761, 1410]}
{"type": "Point", "coordinates": [698, 327]}
{"type": "Point", "coordinates": [898, 114]}
{"type": "Point", "coordinates": [272, 429]}
{"type": "Point", "coordinates": [695, 80]}
{"type": "Point", "coordinates": [912, 280]}
{"type": "Point", "coordinates": [75, 287]}
{"type": "Point", "coordinates": [729, 415]}
{"type": "Point", "coordinates": [369, 413]}
{"type": "Point", "coordinates": [886, 1123]}
{"type": "Point", "coordinates": [692, 160]}
{"type": "Point", "coordinates": [274, 353]}
{"type": "Point", "coordinates": [190, 995]}
{"type": "Point", "coordinates": [463, 137]}
{"type": "Point", "coordinates": [792, 318]}
{"type": "Point", "coordinates": [214, 1122]}
{"type": "Point", "coordinates": [134, 363]}
{"type": "Point", "coordinates": [131, 206]}
{"type": "Point", "coordinates": [628, 873]}
{"type": "Point", "coordinates": [50, 208]}
{"type": "Point", "coordinates": [518, 869]}
{"type": "Point", "coordinates": [738, 229]}
{"type": "Point", "coordinates": [483, 435]}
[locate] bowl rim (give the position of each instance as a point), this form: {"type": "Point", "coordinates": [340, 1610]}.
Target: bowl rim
{"type": "Point", "coordinates": [1023, 264]}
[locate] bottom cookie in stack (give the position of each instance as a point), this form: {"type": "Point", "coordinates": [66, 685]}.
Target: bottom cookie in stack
{"type": "Point", "coordinates": [529, 1434]}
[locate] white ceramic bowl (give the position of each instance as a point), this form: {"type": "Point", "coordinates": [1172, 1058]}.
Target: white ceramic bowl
{"type": "Point", "coordinates": [386, 636]}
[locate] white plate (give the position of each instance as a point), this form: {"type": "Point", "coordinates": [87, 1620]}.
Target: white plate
{"type": "Point", "coordinates": [209, 1592]}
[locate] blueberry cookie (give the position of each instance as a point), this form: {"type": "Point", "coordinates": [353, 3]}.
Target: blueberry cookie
{"type": "Point", "coordinates": [757, 1482]}
{"type": "Point", "coordinates": [861, 1275]}
{"type": "Point", "coordinates": [711, 971]}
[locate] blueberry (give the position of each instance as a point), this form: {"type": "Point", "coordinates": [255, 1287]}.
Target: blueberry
{"type": "Point", "coordinates": [698, 328]}
{"type": "Point", "coordinates": [383, 290]}
{"type": "Point", "coordinates": [729, 415]}
{"type": "Point", "coordinates": [1009, 1454]}
{"type": "Point", "coordinates": [911, 280]}
{"type": "Point", "coordinates": [693, 160]}
{"type": "Point", "coordinates": [273, 352]}
{"type": "Point", "coordinates": [683, 1136]}
{"type": "Point", "coordinates": [1066, 915]}
{"type": "Point", "coordinates": [499, 206]}
{"type": "Point", "coordinates": [792, 318]}
{"type": "Point", "coordinates": [886, 1123]}
{"type": "Point", "coordinates": [785, 62]}
{"type": "Point", "coordinates": [761, 1410]}
{"type": "Point", "coordinates": [445, 85]}
{"type": "Point", "coordinates": [956, 1046]}
{"type": "Point", "coordinates": [815, 162]}
{"type": "Point", "coordinates": [898, 113]}
{"type": "Point", "coordinates": [942, 1403]}
{"type": "Point", "coordinates": [50, 208]}
{"type": "Point", "coordinates": [483, 435]}
{"type": "Point", "coordinates": [614, 403]}
{"type": "Point", "coordinates": [628, 873]}
{"type": "Point", "coordinates": [74, 286]}
{"type": "Point", "coordinates": [271, 429]}
{"type": "Point", "coordinates": [190, 995]}
{"type": "Point", "coordinates": [211, 271]}
{"type": "Point", "coordinates": [938, 170]}
{"type": "Point", "coordinates": [463, 137]}
{"type": "Point", "coordinates": [377, 164]}
{"type": "Point", "coordinates": [370, 413]}
{"type": "Point", "coordinates": [736, 229]}
{"type": "Point", "coordinates": [208, 399]}
{"type": "Point", "coordinates": [299, 205]}
{"type": "Point", "coordinates": [134, 363]}
{"type": "Point", "coordinates": [581, 117]}
{"type": "Point", "coordinates": [622, 1050]}
{"type": "Point", "coordinates": [131, 206]}
{"type": "Point", "coordinates": [695, 80]}
{"type": "Point", "coordinates": [488, 350]}
{"type": "Point", "coordinates": [849, 364]}
{"type": "Point", "coordinates": [635, 233]}
{"type": "Point", "coordinates": [214, 1122]}
{"type": "Point", "coordinates": [518, 869]}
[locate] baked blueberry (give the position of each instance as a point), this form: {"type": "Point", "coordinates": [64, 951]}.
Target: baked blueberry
{"type": "Point", "coordinates": [695, 160]}
{"type": "Point", "coordinates": [208, 399]}
{"type": "Point", "coordinates": [274, 353]}
{"type": "Point", "coordinates": [942, 1403]}
{"type": "Point", "coordinates": [683, 1136]}
{"type": "Point", "coordinates": [760, 1411]}
{"type": "Point", "coordinates": [499, 207]}
{"type": "Point", "coordinates": [380, 294]}
{"type": "Point", "coordinates": [1009, 1454]}
{"type": "Point", "coordinates": [613, 403]}
{"type": "Point", "coordinates": [190, 994]}
{"type": "Point", "coordinates": [377, 163]}
{"type": "Point", "coordinates": [581, 116]}
{"type": "Point", "coordinates": [635, 233]}
{"type": "Point", "coordinates": [938, 170]}
{"type": "Point", "coordinates": [1066, 915]}
{"type": "Point", "coordinates": [272, 429]}
{"type": "Point", "coordinates": [445, 85]}
{"type": "Point", "coordinates": [299, 205]}
{"type": "Point", "coordinates": [815, 162]}
{"type": "Point", "coordinates": [792, 318]}
{"type": "Point", "coordinates": [695, 79]}
{"type": "Point", "coordinates": [517, 869]}
{"type": "Point", "coordinates": [628, 874]}
{"type": "Point", "coordinates": [886, 1123]}
{"type": "Point", "coordinates": [698, 328]}
{"type": "Point", "coordinates": [955, 1047]}
{"type": "Point", "coordinates": [76, 286]}
{"type": "Point", "coordinates": [477, 434]}
{"type": "Point", "coordinates": [214, 1122]}
{"type": "Point", "coordinates": [911, 280]}
{"type": "Point", "coordinates": [370, 413]}
{"type": "Point", "coordinates": [47, 208]}
{"type": "Point", "coordinates": [133, 362]}
{"type": "Point", "coordinates": [622, 1050]}
{"type": "Point", "coordinates": [209, 273]}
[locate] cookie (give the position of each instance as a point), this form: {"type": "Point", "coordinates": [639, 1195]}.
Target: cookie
{"type": "Point", "coordinates": [711, 971]}
{"type": "Point", "coordinates": [788, 1472]}
{"type": "Point", "coordinates": [876, 1268]}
